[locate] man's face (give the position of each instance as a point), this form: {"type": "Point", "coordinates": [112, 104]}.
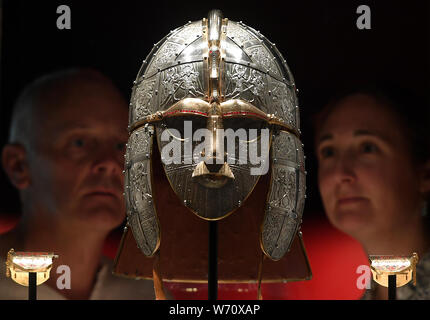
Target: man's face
{"type": "Point", "coordinates": [367, 181]}
{"type": "Point", "coordinates": [78, 156]}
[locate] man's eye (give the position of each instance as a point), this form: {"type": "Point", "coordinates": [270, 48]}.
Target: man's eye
{"type": "Point", "coordinates": [120, 146]}
{"type": "Point", "coordinates": [327, 152]}
{"type": "Point", "coordinates": [78, 143]}
{"type": "Point", "coordinates": [369, 147]}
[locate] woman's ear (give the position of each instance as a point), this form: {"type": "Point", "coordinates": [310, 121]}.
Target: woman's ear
{"type": "Point", "coordinates": [15, 164]}
{"type": "Point", "coordinates": [425, 179]}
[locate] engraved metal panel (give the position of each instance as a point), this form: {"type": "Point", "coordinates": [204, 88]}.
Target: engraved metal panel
{"type": "Point", "coordinates": [189, 33]}
{"type": "Point", "coordinates": [286, 196]}
{"type": "Point", "coordinates": [235, 54]}
{"type": "Point", "coordinates": [141, 215]}
{"type": "Point", "coordinates": [164, 58]}
{"type": "Point", "coordinates": [264, 59]}
{"type": "Point", "coordinates": [246, 84]}
{"type": "Point", "coordinates": [179, 82]}
{"type": "Point", "coordinates": [238, 34]}
{"type": "Point", "coordinates": [142, 100]}
{"type": "Point", "coordinates": [282, 102]}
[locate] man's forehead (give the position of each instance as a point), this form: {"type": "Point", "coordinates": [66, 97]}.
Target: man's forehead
{"type": "Point", "coordinates": [73, 96]}
{"type": "Point", "coordinates": [83, 113]}
{"type": "Point", "coordinates": [65, 121]}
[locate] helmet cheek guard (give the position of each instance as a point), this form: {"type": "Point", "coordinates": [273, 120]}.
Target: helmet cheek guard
{"type": "Point", "coordinates": [141, 215]}
{"type": "Point", "coordinates": [285, 201]}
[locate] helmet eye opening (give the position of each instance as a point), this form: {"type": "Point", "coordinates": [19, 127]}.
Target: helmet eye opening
{"type": "Point", "coordinates": [182, 126]}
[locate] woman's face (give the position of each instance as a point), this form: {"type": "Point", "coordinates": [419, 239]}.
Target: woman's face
{"type": "Point", "coordinates": [366, 177]}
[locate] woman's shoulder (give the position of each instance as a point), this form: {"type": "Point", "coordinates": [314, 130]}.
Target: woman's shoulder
{"type": "Point", "coordinates": [420, 291]}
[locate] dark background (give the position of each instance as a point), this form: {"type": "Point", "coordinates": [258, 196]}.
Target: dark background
{"type": "Point", "coordinates": [319, 39]}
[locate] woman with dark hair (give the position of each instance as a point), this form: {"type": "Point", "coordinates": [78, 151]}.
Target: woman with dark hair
{"type": "Point", "coordinates": [373, 151]}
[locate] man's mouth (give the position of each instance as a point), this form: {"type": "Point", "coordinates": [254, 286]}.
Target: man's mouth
{"type": "Point", "coordinates": [103, 193]}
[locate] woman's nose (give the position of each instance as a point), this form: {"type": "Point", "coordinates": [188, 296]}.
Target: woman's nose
{"type": "Point", "coordinates": [345, 168]}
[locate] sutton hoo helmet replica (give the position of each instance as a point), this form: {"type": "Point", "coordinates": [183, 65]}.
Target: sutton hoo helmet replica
{"type": "Point", "coordinates": [219, 101]}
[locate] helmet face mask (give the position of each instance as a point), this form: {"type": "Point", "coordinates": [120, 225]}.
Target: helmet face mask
{"type": "Point", "coordinates": [208, 152]}
{"type": "Point", "coordinates": [221, 102]}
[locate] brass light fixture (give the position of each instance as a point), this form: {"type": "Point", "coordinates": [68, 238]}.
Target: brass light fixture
{"type": "Point", "coordinates": [20, 264]}
{"type": "Point", "coordinates": [393, 271]}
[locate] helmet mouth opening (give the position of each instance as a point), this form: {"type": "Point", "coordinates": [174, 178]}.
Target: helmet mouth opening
{"type": "Point", "coordinates": [217, 177]}
{"type": "Point", "coordinates": [213, 180]}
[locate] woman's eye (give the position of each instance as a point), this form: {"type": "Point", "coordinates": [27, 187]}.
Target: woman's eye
{"type": "Point", "coordinates": [327, 152]}
{"type": "Point", "coordinates": [369, 148]}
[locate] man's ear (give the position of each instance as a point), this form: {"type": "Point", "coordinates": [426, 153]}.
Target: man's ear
{"type": "Point", "coordinates": [425, 179]}
{"type": "Point", "coordinates": [15, 164]}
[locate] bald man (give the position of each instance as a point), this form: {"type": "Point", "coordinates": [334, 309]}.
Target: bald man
{"type": "Point", "coordinates": [65, 156]}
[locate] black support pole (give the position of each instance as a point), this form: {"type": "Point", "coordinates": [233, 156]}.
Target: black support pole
{"type": "Point", "coordinates": [392, 287]}
{"type": "Point", "coordinates": [213, 261]}
{"type": "Point", "coordinates": [32, 287]}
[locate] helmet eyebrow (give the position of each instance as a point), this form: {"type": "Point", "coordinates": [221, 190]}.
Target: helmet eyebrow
{"type": "Point", "coordinates": [229, 109]}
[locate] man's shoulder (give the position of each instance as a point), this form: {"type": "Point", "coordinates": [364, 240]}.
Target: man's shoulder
{"type": "Point", "coordinates": [6, 244]}
{"type": "Point", "coordinates": [9, 240]}
{"type": "Point", "coordinates": [113, 287]}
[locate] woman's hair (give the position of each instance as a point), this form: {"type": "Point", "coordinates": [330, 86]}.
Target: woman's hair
{"type": "Point", "coordinates": [411, 112]}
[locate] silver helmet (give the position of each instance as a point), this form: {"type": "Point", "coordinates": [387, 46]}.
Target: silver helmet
{"type": "Point", "coordinates": [211, 76]}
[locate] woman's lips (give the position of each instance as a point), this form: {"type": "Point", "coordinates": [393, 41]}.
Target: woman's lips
{"type": "Point", "coordinates": [350, 200]}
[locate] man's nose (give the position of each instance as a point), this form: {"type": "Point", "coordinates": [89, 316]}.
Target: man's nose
{"type": "Point", "coordinates": [107, 161]}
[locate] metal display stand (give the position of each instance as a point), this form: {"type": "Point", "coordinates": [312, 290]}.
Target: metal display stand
{"type": "Point", "coordinates": [213, 261]}
{"type": "Point", "coordinates": [32, 287]}
{"type": "Point", "coordinates": [392, 287]}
